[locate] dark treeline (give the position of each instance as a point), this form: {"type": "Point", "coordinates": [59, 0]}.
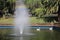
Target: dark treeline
{"type": "Point", "coordinates": [7, 7]}
{"type": "Point", "coordinates": [37, 8]}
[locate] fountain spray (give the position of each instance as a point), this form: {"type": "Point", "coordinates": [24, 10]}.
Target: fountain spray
{"type": "Point", "coordinates": [21, 20]}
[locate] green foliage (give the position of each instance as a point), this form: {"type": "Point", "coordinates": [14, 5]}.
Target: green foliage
{"type": "Point", "coordinates": [39, 11]}
{"type": "Point", "coordinates": [7, 6]}
{"type": "Point", "coordinates": [40, 8]}
{"type": "Point", "coordinates": [37, 8]}
{"type": "Point", "coordinates": [46, 7]}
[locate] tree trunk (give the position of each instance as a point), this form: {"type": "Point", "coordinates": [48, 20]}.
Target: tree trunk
{"type": "Point", "coordinates": [59, 14]}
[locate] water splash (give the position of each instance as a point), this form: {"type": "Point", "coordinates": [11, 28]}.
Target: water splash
{"type": "Point", "coordinates": [21, 20]}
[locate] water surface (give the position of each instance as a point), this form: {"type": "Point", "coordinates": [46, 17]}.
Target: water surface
{"type": "Point", "coordinates": [39, 35]}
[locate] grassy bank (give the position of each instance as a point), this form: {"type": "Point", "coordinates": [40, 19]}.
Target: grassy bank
{"type": "Point", "coordinates": [35, 20]}
{"type": "Point", "coordinates": [10, 20]}
{"type": "Point", "coordinates": [6, 21]}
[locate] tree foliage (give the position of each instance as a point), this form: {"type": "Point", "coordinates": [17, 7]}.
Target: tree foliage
{"type": "Point", "coordinates": [37, 8]}
{"type": "Point", "coordinates": [42, 7]}
{"type": "Point", "coordinates": [7, 7]}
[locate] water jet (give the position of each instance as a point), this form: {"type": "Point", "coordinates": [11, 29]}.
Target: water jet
{"type": "Point", "coordinates": [21, 20]}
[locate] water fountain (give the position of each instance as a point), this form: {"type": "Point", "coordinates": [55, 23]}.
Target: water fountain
{"type": "Point", "coordinates": [21, 20]}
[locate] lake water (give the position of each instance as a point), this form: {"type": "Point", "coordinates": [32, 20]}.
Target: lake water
{"type": "Point", "coordinates": [44, 34]}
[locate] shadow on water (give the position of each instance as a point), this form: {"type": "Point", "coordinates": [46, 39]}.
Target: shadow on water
{"type": "Point", "coordinates": [56, 34]}
{"type": "Point", "coordinates": [39, 35]}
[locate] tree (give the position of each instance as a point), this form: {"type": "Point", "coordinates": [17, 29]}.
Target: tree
{"type": "Point", "coordinates": [7, 7]}
{"type": "Point", "coordinates": [10, 4]}
{"type": "Point", "coordinates": [59, 11]}
{"type": "Point", "coordinates": [40, 8]}
{"type": "Point", "coordinates": [48, 6]}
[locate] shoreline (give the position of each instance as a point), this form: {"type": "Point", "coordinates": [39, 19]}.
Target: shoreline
{"type": "Point", "coordinates": [36, 24]}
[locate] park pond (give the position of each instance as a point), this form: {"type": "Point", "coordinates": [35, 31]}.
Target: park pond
{"type": "Point", "coordinates": [43, 34]}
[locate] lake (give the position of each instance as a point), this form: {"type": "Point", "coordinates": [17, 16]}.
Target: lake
{"type": "Point", "coordinates": [43, 34]}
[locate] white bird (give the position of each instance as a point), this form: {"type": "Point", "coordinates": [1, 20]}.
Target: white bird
{"type": "Point", "coordinates": [38, 29]}
{"type": "Point", "coordinates": [51, 28]}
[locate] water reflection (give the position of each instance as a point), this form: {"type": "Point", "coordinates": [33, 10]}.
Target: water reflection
{"type": "Point", "coordinates": [21, 38]}
{"type": "Point", "coordinates": [40, 35]}
{"type": "Point", "coordinates": [56, 35]}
